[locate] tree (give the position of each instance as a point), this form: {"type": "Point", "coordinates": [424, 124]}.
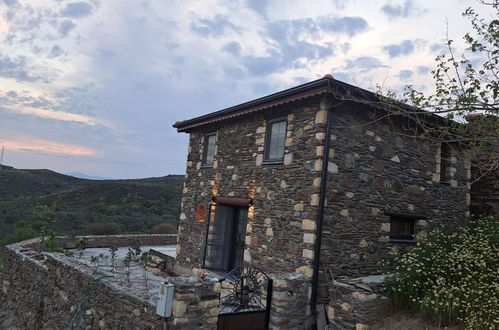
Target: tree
{"type": "Point", "coordinates": [466, 96]}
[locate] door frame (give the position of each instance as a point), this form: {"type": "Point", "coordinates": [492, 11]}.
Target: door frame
{"type": "Point", "coordinates": [238, 205]}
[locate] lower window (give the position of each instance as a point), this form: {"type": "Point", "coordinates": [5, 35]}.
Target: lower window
{"type": "Point", "coordinates": [402, 228]}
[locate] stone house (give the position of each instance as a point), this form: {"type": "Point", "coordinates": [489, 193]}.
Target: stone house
{"type": "Point", "coordinates": [318, 179]}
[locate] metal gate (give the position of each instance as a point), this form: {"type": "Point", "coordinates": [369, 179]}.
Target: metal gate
{"type": "Point", "coordinates": [245, 299]}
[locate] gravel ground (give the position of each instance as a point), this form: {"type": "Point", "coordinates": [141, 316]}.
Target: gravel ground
{"type": "Point", "coordinates": [8, 321]}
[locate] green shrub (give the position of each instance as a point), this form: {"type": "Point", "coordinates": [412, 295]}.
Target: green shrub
{"type": "Point", "coordinates": [164, 228]}
{"type": "Point", "coordinates": [24, 230]}
{"type": "Point", "coordinates": [103, 228]}
{"type": "Point", "coordinates": [452, 276]}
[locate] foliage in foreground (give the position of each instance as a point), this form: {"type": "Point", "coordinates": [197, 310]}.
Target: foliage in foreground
{"type": "Point", "coordinates": [452, 276]}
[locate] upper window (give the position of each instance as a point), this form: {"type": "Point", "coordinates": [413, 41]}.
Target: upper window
{"type": "Point", "coordinates": [275, 139]}
{"type": "Point", "coordinates": [209, 149]}
{"type": "Point", "coordinates": [401, 228]}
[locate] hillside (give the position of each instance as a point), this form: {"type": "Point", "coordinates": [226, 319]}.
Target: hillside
{"type": "Point", "coordinates": [136, 205]}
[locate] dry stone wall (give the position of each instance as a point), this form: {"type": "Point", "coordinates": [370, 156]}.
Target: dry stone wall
{"type": "Point", "coordinates": [52, 291]}
{"type": "Point", "coordinates": [357, 303]}
{"type": "Point", "coordinates": [195, 304]}
{"type": "Point", "coordinates": [280, 233]}
{"type": "Point", "coordinates": [375, 169]}
{"type": "Point", "coordinates": [290, 308]}
{"type": "Point", "coordinates": [45, 291]}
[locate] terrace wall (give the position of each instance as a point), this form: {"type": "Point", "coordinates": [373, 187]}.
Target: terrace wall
{"type": "Point", "coordinates": [46, 290]}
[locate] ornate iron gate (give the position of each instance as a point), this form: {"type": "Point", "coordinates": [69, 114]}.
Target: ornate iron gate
{"type": "Point", "coordinates": [245, 299]}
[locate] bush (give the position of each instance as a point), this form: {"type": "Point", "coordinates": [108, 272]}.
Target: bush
{"type": "Point", "coordinates": [452, 276]}
{"type": "Point", "coordinates": [24, 231]}
{"type": "Point", "coordinates": [165, 228]}
{"type": "Point", "coordinates": [103, 228]}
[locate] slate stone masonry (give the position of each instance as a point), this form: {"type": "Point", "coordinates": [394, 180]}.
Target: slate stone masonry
{"type": "Point", "coordinates": [376, 168]}
{"type": "Point", "coordinates": [280, 233]}
{"type": "Point", "coordinates": [45, 291]}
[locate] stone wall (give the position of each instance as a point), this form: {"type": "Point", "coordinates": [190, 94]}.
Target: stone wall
{"type": "Point", "coordinates": [290, 296]}
{"type": "Point", "coordinates": [280, 233]}
{"type": "Point", "coordinates": [45, 291]}
{"type": "Point", "coordinates": [195, 304]}
{"type": "Point", "coordinates": [485, 195]}
{"type": "Point", "coordinates": [94, 241]}
{"type": "Point", "coordinates": [356, 303]}
{"type": "Point", "coordinates": [376, 169]}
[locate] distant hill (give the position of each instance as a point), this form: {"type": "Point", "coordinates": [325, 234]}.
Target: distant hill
{"type": "Point", "coordinates": [136, 205]}
{"type": "Point", "coordinates": [87, 176]}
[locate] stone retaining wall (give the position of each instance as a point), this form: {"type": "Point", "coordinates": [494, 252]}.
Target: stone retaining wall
{"type": "Point", "coordinates": [195, 303]}
{"type": "Point", "coordinates": [356, 303]}
{"type": "Point", "coordinates": [45, 290]}
{"type": "Point", "coordinates": [290, 307]}
{"type": "Point", "coordinates": [71, 242]}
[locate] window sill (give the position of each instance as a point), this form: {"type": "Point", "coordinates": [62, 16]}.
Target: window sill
{"type": "Point", "coordinates": [402, 240]}
{"type": "Point", "coordinates": [273, 162]}
{"type": "Point", "coordinates": [207, 166]}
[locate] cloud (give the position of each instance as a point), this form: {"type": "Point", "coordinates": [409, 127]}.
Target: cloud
{"type": "Point", "coordinates": [294, 42]}
{"type": "Point", "coordinates": [349, 25]}
{"type": "Point", "coordinates": [76, 9]}
{"type": "Point", "coordinates": [10, 2]}
{"type": "Point", "coordinates": [423, 69]}
{"type": "Point", "coordinates": [233, 48]}
{"type": "Point", "coordinates": [18, 69]}
{"type": "Point", "coordinates": [365, 63]}
{"type": "Point", "coordinates": [406, 47]}
{"type": "Point", "coordinates": [258, 6]}
{"type": "Point", "coordinates": [65, 27]}
{"type": "Point", "coordinates": [218, 26]}
{"type": "Point", "coordinates": [262, 65]}
{"type": "Point", "coordinates": [52, 114]}
{"type": "Point", "coordinates": [403, 10]}
{"type": "Point", "coordinates": [55, 51]}
{"type": "Point", "coordinates": [39, 145]}
{"type": "Point", "coordinates": [406, 74]}
{"type": "Point", "coordinates": [439, 48]}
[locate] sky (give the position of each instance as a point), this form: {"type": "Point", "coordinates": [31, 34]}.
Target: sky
{"type": "Point", "coordinates": [94, 86]}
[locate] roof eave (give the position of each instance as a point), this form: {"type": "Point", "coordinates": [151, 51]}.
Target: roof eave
{"type": "Point", "coordinates": [307, 90]}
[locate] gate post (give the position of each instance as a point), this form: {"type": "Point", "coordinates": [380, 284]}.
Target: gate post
{"type": "Point", "coordinates": [290, 307]}
{"type": "Point", "coordinates": [195, 303]}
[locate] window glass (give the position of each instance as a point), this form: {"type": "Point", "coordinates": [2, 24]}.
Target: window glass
{"type": "Point", "coordinates": [401, 228]}
{"type": "Point", "coordinates": [276, 137]}
{"type": "Point", "coordinates": [209, 149]}
{"type": "Point", "coordinates": [201, 213]}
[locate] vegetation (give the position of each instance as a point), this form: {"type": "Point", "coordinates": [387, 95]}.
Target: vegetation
{"type": "Point", "coordinates": [75, 206]}
{"type": "Point", "coordinates": [465, 91]}
{"type": "Point", "coordinates": [452, 276]}
{"type": "Point", "coordinates": [103, 228]}
{"type": "Point", "coordinates": [164, 228]}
